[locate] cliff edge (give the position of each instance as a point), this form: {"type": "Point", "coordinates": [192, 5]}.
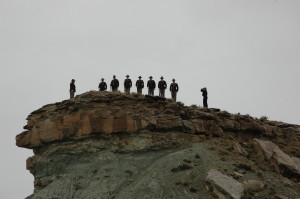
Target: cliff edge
{"type": "Point", "coordinates": [112, 145]}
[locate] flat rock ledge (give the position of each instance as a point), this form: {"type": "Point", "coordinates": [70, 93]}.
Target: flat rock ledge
{"type": "Point", "coordinates": [224, 186]}
{"type": "Point", "coordinates": [103, 114]}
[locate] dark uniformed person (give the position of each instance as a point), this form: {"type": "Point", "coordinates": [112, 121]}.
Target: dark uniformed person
{"type": "Point", "coordinates": [72, 88]}
{"type": "Point", "coordinates": [204, 94]}
{"type": "Point", "coordinates": [127, 84]}
{"type": "Point", "coordinates": [151, 86]}
{"type": "Point", "coordinates": [102, 85]}
{"type": "Point", "coordinates": [114, 84]}
{"type": "Point", "coordinates": [174, 89]}
{"type": "Point", "coordinates": [139, 85]}
{"type": "Point", "coordinates": [162, 85]}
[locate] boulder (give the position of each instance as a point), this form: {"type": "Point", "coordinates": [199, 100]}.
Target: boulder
{"type": "Point", "coordinates": [282, 162]}
{"type": "Point", "coordinates": [189, 126]}
{"type": "Point", "coordinates": [240, 150]}
{"type": "Point", "coordinates": [223, 186]}
{"type": "Point", "coordinates": [253, 185]}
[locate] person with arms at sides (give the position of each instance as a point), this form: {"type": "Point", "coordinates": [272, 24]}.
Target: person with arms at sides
{"type": "Point", "coordinates": [174, 89]}
{"type": "Point", "coordinates": [151, 86]}
{"type": "Point", "coordinates": [114, 84]}
{"type": "Point", "coordinates": [102, 85]}
{"type": "Point", "coordinates": [139, 85]}
{"type": "Point", "coordinates": [162, 85]}
{"type": "Point", "coordinates": [127, 84]}
{"type": "Point", "coordinates": [72, 88]}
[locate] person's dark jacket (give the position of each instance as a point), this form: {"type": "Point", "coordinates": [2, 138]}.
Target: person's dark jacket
{"type": "Point", "coordinates": [162, 84]}
{"type": "Point", "coordinates": [114, 83]}
{"type": "Point", "coordinates": [204, 93]}
{"type": "Point", "coordinates": [72, 87]}
{"type": "Point", "coordinates": [174, 87]}
{"type": "Point", "coordinates": [139, 84]}
{"type": "Point", "coordinates": [127, 83]}
{"type": "Point", "coordinates": [151, 84]}
{"type": "Point", "coordinates": [102, 86]}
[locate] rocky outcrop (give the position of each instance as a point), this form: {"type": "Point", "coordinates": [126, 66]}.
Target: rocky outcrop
{"type": "Point", "coordinates": [105, 113]}
{"type": "Point", "coordinates": [282, 162]}
{"type": "Point", "coordinates": [112, 145]}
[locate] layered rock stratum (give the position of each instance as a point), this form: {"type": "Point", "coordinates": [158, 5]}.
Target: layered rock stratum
{"type": "Point", "coordinates": [111, 145]}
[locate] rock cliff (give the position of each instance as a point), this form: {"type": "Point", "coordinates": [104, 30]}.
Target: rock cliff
{"type": "Point", "coordinates": [111, 145]}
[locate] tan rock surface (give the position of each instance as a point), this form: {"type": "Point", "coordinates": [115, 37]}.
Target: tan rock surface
{"type": "Point", "coordinates": [224, 186]}
{"type": "Point", "coordinates": [112, 145]}
{"type": "Point", "coordinates": [283, 163]}
{"type": "Point", "coordinates": [106, 113]}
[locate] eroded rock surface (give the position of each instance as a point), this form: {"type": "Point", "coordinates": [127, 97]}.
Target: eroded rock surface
{"type": "Point", "coordinates": [282, 162]}
{"type": "Point", "coordinates": [107, 113]}
{"type": "Point", "coordinates": [111, 145]}
{"type": "Point", "coordinates": [87, 171]}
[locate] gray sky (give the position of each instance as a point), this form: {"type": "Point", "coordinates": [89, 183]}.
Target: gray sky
{"type": "Point", "coordinates": [247, 54]}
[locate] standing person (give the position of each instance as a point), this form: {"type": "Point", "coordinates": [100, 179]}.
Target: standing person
{"type": "Point", "coordinates": [127, 84]}
{"type": "Point", "coordinates": [139, 85]}
{"type": "Point", "coordinates": [114, 84]}
{"type": "Point", "coordinates": [72, 88]}
{"type": "Point", "coordinates": [151, 86]}
{"type": "Point", "coordinates": [162, 85]}
{"type": "Point", "coordinates": [102, 85]}
{"type": "Point", "coordinates": [204, 94]}
{"type": "Point", "coordinates": [174, 89]}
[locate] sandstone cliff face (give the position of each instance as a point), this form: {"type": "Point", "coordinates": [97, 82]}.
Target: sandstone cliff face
{"type": "Point", "coordinates": [112, 145]}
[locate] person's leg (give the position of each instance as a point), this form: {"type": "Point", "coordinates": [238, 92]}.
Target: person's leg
{"type": "Point", "coordinates": [173, 96]}
{"type": "Point", "coordinates": [72, 93]}
{"type": "Point", "coordinates": [205, 102]}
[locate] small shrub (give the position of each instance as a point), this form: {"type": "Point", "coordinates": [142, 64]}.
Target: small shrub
{"type": "Point", "coordinates": [224, 113]}
{"type": "Point", "coordinates": [230, 148]}
{"type": "Point", "coordinates": [194, 106]}
{"type": "Point", "coordinates": [180, 103]}
{"type": "Point", "coordinates": [263, 118]}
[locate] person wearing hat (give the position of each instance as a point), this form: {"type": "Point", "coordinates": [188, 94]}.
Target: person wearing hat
{"type": "Point", "coordinates": [72, 88]}
{"type": "Point", "coordinates": [204, 94]}
{"type": "Point", "coordinates": [114, 84]}
{"type": "Point", "coordinates": [127, 85]}
{"type": "Point", "coordinates": [162, 85]}
{"type": "Point", "coordinates": [151, 86]}
{"type": "Point", "coordinates": [139, 85]}
{"type": "Point", "coordinates": [174, 89]}
{"type": "Point", "coordinates": [102, 85]}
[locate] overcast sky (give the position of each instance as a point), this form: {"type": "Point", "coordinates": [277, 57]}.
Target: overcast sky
{"type": "Point", "coordinates": [247, 54]}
